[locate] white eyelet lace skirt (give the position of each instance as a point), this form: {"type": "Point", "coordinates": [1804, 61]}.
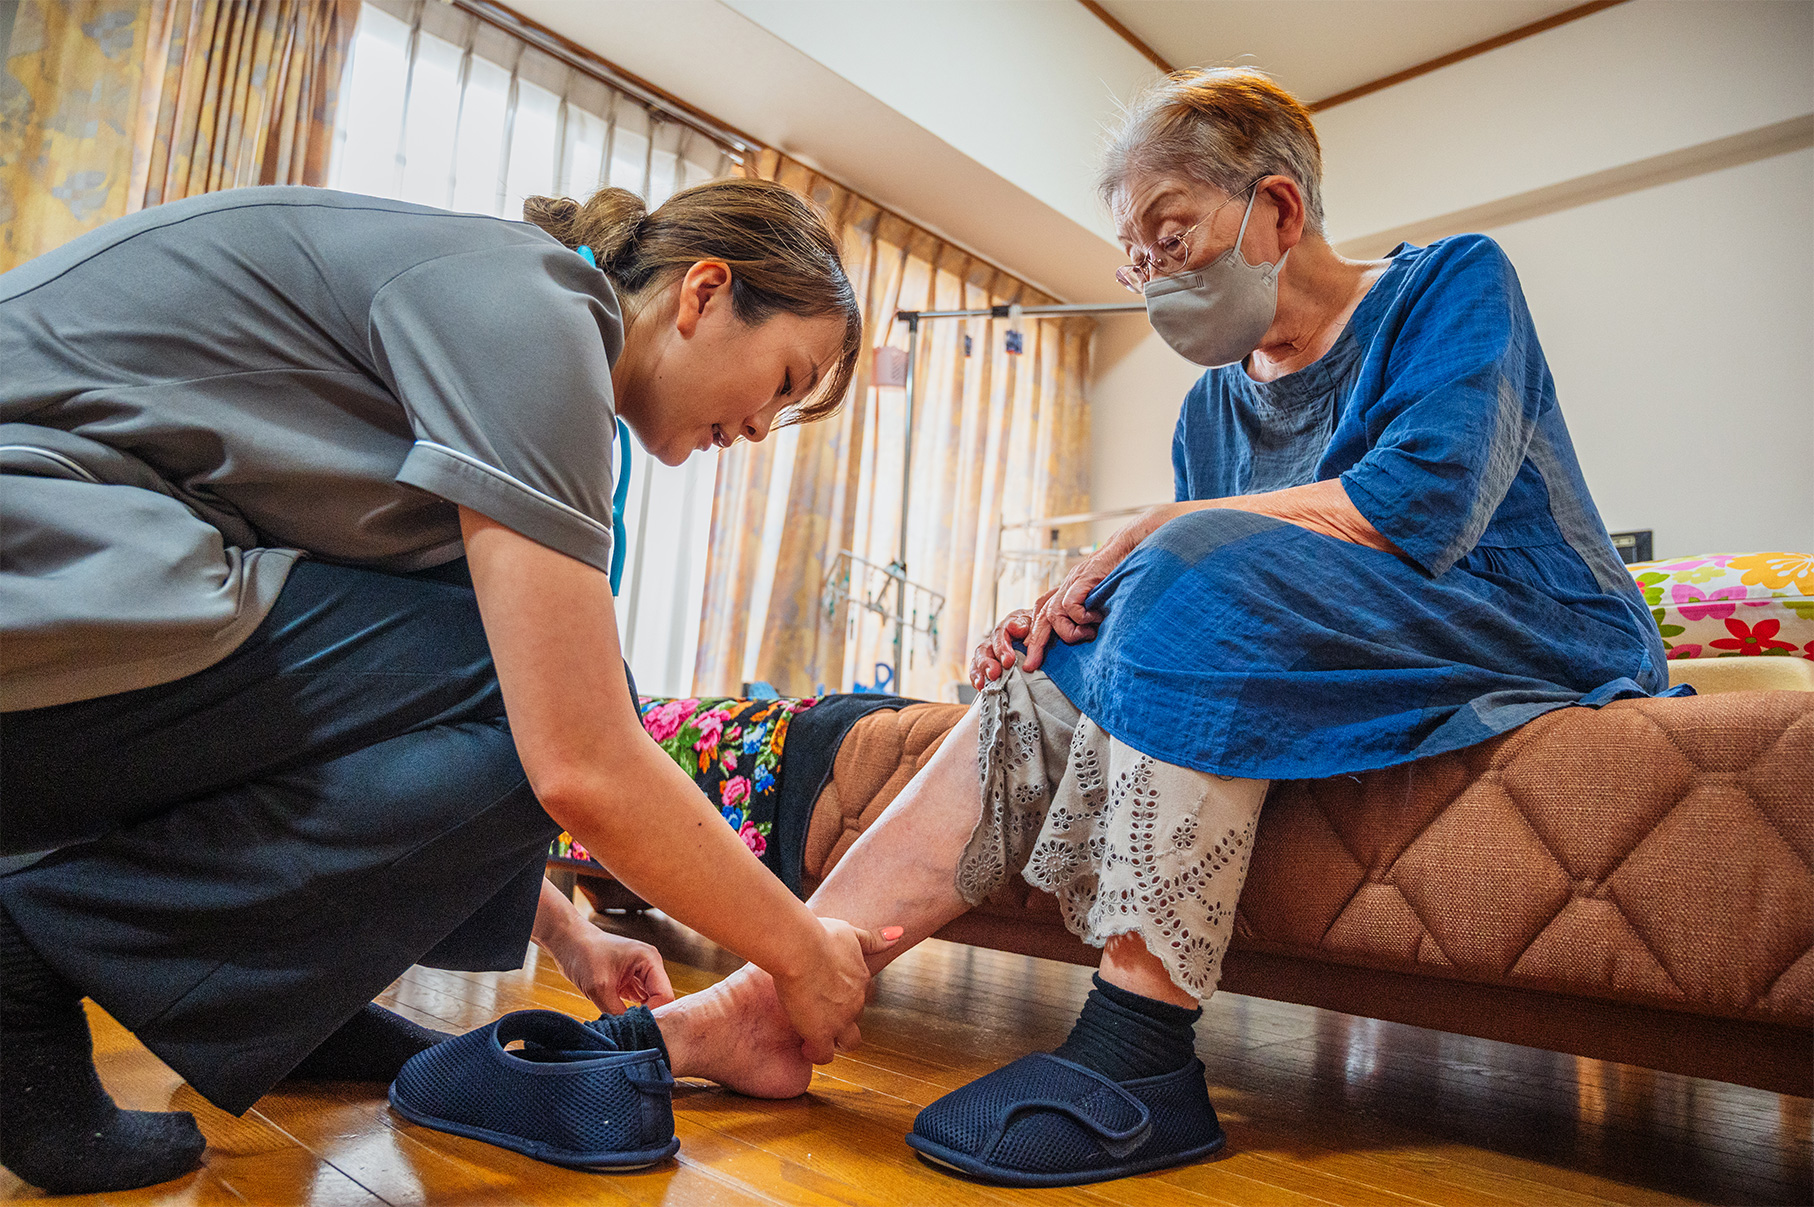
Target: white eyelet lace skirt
{"type": "Point", "coordinates": [1128, 845]}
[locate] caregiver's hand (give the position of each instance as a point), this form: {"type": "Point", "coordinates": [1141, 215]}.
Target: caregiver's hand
{"type": "Point", "coordinates": [825, 997]}
{"type": "Point", "coordinates": [612, 970]}
{"type": "Point", "coordinates": [607, 968]}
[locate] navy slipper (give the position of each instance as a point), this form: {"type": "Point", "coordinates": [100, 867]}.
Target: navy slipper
{"type": "Point", "coordinates": [1044, 1121]}
{"type": "Point", "coordinates": [567, 1096]}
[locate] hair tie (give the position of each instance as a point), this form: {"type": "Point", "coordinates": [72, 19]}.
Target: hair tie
{"type": "Point", "coordinates": [585, 253]}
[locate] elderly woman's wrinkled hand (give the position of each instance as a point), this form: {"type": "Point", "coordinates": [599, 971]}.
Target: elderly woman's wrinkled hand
{"type": "Point", "coordinates": [1062, 614]}
{"type": "Point", "coordinates": [996, 654]}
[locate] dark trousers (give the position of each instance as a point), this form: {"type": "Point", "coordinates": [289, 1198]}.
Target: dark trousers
{"type": "Point", "coordinates": [248, 855]}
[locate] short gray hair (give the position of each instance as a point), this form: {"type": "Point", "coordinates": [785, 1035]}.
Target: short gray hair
{"type": "Point", "coordinates": [1221, 126]}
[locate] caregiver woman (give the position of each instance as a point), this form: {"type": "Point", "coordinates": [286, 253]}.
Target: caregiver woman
{"type": "Point", "coordinates": [284, 747]}
{"type": "Point", "coordinates": [1382, 549]}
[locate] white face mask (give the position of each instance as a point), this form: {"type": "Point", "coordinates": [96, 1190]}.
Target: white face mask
{"type": "Point", "coordinates": [1217, 314]}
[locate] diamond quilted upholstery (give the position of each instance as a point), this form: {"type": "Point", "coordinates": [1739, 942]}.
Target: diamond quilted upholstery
{"type": "Point", "coordinates": [879, 755]}
{"type": "Point", "coordinates": [1655, 852]}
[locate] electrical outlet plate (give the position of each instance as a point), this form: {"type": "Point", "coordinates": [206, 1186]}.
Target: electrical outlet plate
{"type": "Point", "coordinates": [1633, 546]}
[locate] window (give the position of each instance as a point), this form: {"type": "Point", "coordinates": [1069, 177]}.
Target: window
{"type": "Point", "coordinates": [443, 109]}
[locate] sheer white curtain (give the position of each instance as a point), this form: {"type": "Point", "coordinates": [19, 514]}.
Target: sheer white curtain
{"type": "Point", "coordinates": [441, 108]}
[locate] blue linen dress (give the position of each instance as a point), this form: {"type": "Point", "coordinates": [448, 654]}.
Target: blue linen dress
{"type": "Point", "coordinates": [1243, 645]}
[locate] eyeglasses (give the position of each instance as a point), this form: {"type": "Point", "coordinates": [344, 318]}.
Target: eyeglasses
{"type": "Point", "coordinates": [1170, 254]}
{"type": "Point", "coordinates": [1166, 256]}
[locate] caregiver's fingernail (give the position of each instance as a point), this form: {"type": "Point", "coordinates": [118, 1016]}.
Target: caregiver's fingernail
{"type": "Point", "coordinates": [891, 933]}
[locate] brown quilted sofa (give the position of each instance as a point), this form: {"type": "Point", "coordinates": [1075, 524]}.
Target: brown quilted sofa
{"type": "Point", "coordinates": [1630, 883]}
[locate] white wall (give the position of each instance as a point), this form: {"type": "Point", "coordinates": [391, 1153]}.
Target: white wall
{"type": "Point", "coordinates": [1025, 86]}
{"type": "Point", "coordinates": [1139, 383]}
{"type": "Point", "coordinates": [1644, 79]}
{"type": "Point", "coordinates": [1672, 286]}
{"type": "Point", "coordinates": [946, 158]}
{"type": "Point", "coordinates": [1679, 324]}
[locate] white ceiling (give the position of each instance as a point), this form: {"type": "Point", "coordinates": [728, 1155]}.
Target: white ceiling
{"type": "Point", "coordinates": [826, 112]}
{"type": "Point", "coordinates": [1317, 48]}
{"type": "Point", "coordinates": [982, 119]}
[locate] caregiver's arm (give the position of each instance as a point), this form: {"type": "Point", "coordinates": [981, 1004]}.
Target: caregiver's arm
{"type": "Point", "coordinates": [1319, 506]}
{"type": "Point", "coordinates": [552, 629]}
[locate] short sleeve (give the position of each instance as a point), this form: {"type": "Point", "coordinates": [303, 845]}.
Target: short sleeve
{"type": "Point", "coordinates": [1463, 385]}
{"type": "Point", "coordinates": [502, 359]}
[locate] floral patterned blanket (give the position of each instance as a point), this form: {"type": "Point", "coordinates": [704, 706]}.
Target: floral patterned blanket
{"type": "Point", "coordinates": [732, 749]}
{"type": "Point", "coordinates": [1729, 605]}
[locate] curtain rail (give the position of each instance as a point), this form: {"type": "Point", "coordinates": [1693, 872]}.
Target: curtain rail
{"type": "Point", "coordinates": [740, 146]}
{"type": "Point", "coordinates": [912, 317]}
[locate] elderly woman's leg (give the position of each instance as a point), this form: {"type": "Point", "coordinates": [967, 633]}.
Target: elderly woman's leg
{"type": "Point", "coordinates": [899, 873]}
{"type": "Point", "coordinates": [1143, 855]}
{"type": "Point", "coordinates": [1021, 783]}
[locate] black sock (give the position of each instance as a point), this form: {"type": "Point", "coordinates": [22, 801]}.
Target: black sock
{"type": "Point", "coordinates": [635, 1030]}
{"type": "Point", "coordinates": [1123, 1035]}
{"type": "Point", "coordinates": [373, 1045]}
{"type": "Point", "coordinates": [58, 1128]}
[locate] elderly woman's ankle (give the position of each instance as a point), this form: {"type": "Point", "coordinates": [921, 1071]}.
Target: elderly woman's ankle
{"type": "Point", "coordinates": [1125, 1036]}
{"type": "Point", "coordinates": [1128, 964]}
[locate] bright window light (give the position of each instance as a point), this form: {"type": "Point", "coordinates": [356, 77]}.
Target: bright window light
{"type": "Point", "coordinates": [444, 112]}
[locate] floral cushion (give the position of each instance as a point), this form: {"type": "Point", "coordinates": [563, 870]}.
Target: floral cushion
{"type": "Point", "coordinates": [1730, 605]}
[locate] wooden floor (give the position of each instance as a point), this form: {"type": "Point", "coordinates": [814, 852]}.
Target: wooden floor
{"type": "Point", "coordinates": [1320, 1108]}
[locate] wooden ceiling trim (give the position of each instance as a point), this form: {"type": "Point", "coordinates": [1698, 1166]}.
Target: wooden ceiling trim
{"type": "Point", "coordinates": [1127, 35]}
{"type": "Point", "coordinates": [1466, 52]}
{"type": "Point", "coordinates": [1398, 77]}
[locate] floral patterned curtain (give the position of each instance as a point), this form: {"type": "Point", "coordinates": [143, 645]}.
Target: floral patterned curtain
{"type": "Point", "coordinates": [247, 93]}
{"type": "Point", "coordinates": [998, 434]}
{"type": "Point", "coordinates": [107, 106]}
{"type": "Point", "coordinates": [69, 100]}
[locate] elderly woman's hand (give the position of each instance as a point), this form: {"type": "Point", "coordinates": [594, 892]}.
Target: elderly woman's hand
{"type": "Point", "coordinates": [1070, 622]}
{"type": "Point", "coordinates": [996, 652]}
{"type": "Point", "coordinates": [1061, 613]}
{"type": "Point", "coordinates": [1322, 507]}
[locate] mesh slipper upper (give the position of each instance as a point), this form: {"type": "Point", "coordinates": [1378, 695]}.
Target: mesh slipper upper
{"type": "Point", "coordinates": [567, 1096]}
{"type": "Point", "coordinates": [1046, 1121]}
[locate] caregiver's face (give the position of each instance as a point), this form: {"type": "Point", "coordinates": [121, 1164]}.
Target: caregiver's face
{"type": "Point", "coordinates": [707, 378]}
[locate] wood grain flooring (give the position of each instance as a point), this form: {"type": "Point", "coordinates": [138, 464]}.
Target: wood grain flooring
{"type": "Point", "coordinates": [1320, 1108]}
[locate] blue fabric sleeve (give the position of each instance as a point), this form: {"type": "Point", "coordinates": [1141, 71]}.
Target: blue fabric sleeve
{"type": "Point", "coordinates": [1180, 462]}
{"type": "Point", "coordinates": [1462, 389]}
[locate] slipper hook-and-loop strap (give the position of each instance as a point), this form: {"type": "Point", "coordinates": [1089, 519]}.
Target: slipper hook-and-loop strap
{"type": "Point", "coordinates": [1119, 1122]}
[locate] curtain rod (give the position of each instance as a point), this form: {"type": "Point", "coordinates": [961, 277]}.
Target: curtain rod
{"type": "Point", "coordinates": [912, 319]}
{"type": "Point", "coordinates": [659, 99]}
{"type": "Point", "coordinates": [1002, 312]}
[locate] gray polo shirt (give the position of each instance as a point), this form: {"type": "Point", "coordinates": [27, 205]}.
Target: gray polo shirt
{"type": "Point", "coordinates": [195, 395]}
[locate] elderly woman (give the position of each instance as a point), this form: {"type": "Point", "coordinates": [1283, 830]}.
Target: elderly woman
{"type": "Point", "coordinates": [1382, 549]}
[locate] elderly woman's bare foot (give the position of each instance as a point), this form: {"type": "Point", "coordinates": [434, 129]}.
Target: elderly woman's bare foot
{"type": "Point", "coordinates": [736, 1034]}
